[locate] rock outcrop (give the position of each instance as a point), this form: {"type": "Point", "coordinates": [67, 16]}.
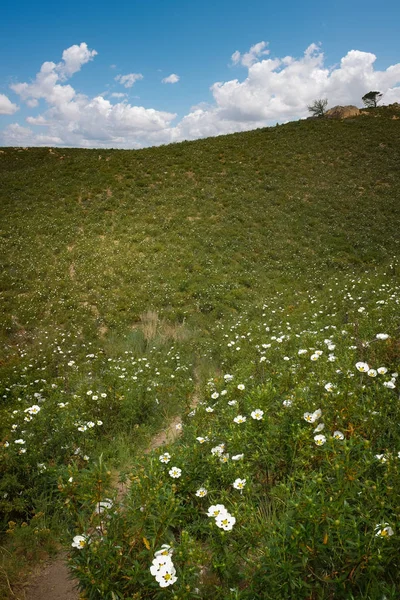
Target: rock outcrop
{"type": "Point", "coordinates": [342, 112]}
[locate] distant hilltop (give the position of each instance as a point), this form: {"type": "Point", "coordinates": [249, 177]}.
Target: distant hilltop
{"type": "Point", "coordinates": [344, 112]}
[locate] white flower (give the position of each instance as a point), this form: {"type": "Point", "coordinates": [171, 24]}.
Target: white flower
{"type": "Point", "coordinates": [319, 439]}
{"type": "Point", "coordinates": [232, 402]}
{"type": "Point", "coordinates": [383, 530]}
{"type": "Point", "coordinates": [382, 458]}
{"type": "Point", "coordinates": [362, 367]}
{"type": "Point", "coordinates": [6, 444]}
{"type": "Point", "coordinates": [257, 414]}
{"type": "Point", "coordinates": [218, 450]}
{"type": "Point", "coordinates": [329, 387]}
{"type": "Point", "coordinates": [160, 561]}
{"type": "Point", "coordinates": [302, 351]}
{"type": "Point", "coordinates": [19, 441]}
{"type": "Point", "coordinates": [33, 410]}
{"type": "Point", "coordinates": [178, 426]}
{"type": "Point", "coordinates": [99, 422]}
{"type": "Point", "coordinates": [314, 357]}
{"type": "Point", "coordinates": [90, 424]}
{"type": "Point", "coordinates": [389, 384]}
{"type": "Point", "coordinates": [239, 484]}
{"type": "Point", "coordinates": [201, 440]}
{"type": "Point", "coordinates": [79, 541]}
{"type": "Point", "coordinates": [228, 377]}
{"type": "Point", "coordinates": [224, 458]}
{"type": "Point", "coordinates": [215, 395]}
{"type": "Point", "coordinates": [319, 427]}
{"type": "Point", "coordinates": [338, 435]}
{"type": "Point", "coordinates": [175, 472]}
{"type": "Point", "coordinates": [166, 550]}
{"type": "Point", "coordinates": [225, 521]}
{"type": "Point", "coordinates": [382, 336]}
{"type": "Point", "coordinates": [238, 457]}
{"type": "Point", "coordinates": [217, 510]}
{"type": "Point", "coordinates": [240, 419]}
{"type": "Point", "coordinates": [372, 373]}
{"type": "Point", "coordinates": [82, 428]}
{"type": "Point", "coordinates": [382, 370]}
{"type": "Point", "coordinates": [287, 403]}
{"type": "Point", "coordinates": [240, 386]}
{"type": "Point", "coordinates": [166, 576]}
{"type": "Point", "coordinates": [165, 458]}
{"type": "Point", "coordinates": [209, 409]}
{"type": "Point", "coordinates": [103, 505]}
{"type": "Point", "coordinates": [201, 492]}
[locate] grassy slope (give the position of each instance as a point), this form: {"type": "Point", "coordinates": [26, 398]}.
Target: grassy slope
{"type": "Point", "coordinates": [193, 228]}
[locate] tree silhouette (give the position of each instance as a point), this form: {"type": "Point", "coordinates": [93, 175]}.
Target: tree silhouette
{"type": "Point", "coordinates": [371, 99]}
{"type": "Point", "coordinates": [318, 107]}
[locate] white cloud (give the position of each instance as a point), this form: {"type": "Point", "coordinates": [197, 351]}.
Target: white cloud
{"type": "Point", "coordinates": [273, 90]}
{"type": "Point", "coordinates": [249, 58]}
{"type": "Point", "coordinates": [6, 106]}
{"type": "Point", "coordinates": [129, 79]}
{"type": "Point", "coordinates": [173, 78]}
{"type": "Point", "coordinates": [73, 58]}
{"type": "Point", "coordinates": [118, 95]}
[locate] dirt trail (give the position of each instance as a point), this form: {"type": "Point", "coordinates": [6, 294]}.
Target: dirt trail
{"type": "Point", "coordinates": [54, 581]}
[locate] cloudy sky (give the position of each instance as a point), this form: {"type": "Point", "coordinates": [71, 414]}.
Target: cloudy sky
{"type": "Point", "coordinates": [144, 72]}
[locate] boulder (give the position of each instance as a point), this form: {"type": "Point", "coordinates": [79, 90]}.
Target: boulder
{"type": "Point", "coordinates": [342, 112]}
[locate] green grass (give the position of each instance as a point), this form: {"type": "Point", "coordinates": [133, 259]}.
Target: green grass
{"type": "Point", "coordinates": [139, 276]}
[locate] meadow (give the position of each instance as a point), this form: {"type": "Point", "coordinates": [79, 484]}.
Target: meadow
{"type": "Point", "coordinates": [250, 284]}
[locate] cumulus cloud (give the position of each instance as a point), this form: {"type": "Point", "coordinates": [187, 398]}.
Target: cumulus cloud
{"type": "Point", "coordinates": [73, 58]}
{"type": "Point", "coordinates": [173, 78]}
{"type": "Point", "coordinates": [129, 79]}
{"type": "Point", "coordinates": [249, 58]}
{"type": "Point", "coordinates": [273, 90]}
{"type": "Point", "coordinates": [6, 106]}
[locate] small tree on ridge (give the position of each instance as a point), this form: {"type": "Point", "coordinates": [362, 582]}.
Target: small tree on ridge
{"type": "Point", "coordinates": [318, 108]}
{"type": "Point", "coordinates": [371, 99]}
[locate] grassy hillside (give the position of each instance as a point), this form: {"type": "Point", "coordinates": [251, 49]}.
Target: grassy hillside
{"type": "Point", "coordinates": [132, 283]}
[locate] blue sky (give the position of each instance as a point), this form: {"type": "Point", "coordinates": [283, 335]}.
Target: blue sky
{"type": "Point", "coordinates": [195, 41]}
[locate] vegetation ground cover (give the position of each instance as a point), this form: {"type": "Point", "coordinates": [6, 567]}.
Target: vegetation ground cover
{"type": "Point", "coordinates": [264, 264]}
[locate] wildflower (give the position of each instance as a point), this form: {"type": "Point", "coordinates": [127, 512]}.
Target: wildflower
{"type": "Point", "coordinates": [103, 395]}
{"type": "Point", "coordinates": [175, 472]}
{"type": "Point", "coordinates": [79, 541]}
{"type": "Point", "coordinates": [103, 505]}
{"type": "Point", "coordinates": [224, 458]}
{"type": "Point", "coordinates": [287, 403]}
{"type": "Point", "coordinates": [240, 419]}
{"type": "Point", "coordinates": [319, 439]}
{"type": "Point", "coordinates": [178, 426]}
{"type": "Point", "coordinates": [232, 402]}
{"type": "Point", "coordinates": [33, 410]}
{"type": "Point", "coordinates": [215, 395]}
{"type": "Point", "coordinates": [383, 530]}
{"type": "Point", "coordinates": [239, 484]}
{"type": "Point", "coordinates": [166, 550]}
{"type": "Point", "coordinates": [62, 404]}
{"type": "Point", "coordinates": [228, 377]}
{"type": "Point", "coordinates": [382, 336]}
{"type": "Point", "coordinates": [302, 351]}
{"type": "Point", "coordinates": [82, 428]}
{"type": "Point", "coordinates": [165, 458]}
{"type": "Point", "coordinates": [389, 384]}
{"type": "Point", "coordinates": [338, 435]}
{"type": "Point", "coordinates": [238, 457]}
{"type": "Point", "coordinates": [225, 522]}
{"type": "Point", "coordinates": [382, 458]}
{"type": "Point", "coordinates": [362, 367]}
{"type": "Point", "coordinates": [240, 387]}
{"type": "Point", "coordinates": [201, 492]}
{"type": "Point", "coordinates": [382, 370]}
{"type": "Point", "coordinates": [319, 427]}
{"type": "Point", "coordinates": [201, 440]}
{"type": "Point", "coordinates": [314, 357]}
{"type": "Point", "coordinates": [209, 409]}
{"type": "Point", "coordinates": [217, 510]}
{"type": "Point", "coordinates": [160, 562]}
{"type": "Point", "coordinates": [257, 414]}
{"type": "Point", "coordinates": [99, 422]}
{"type": "Point", "coordinates": [218, 450]}
{"type": "Point", "coordinates": [90, 424]}
{"type": "Point", "coordinates": [19, 441]}
{"type": "Point", "coordinates": [6, 444]}
{"type": "Point", "coordinates": [166, 576]}
{"type": "Point", "coordinates": [329, 387]}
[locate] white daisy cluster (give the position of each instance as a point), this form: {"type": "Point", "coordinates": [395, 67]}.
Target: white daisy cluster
{"type": "Point", "coordinates": [223, 519]}
{"type": "Point", "coordinates": [162, 567]}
